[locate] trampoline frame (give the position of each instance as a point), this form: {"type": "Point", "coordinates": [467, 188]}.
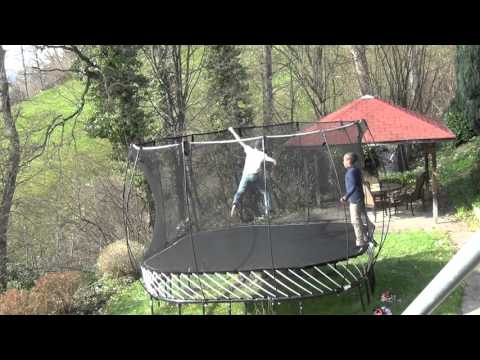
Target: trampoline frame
{"type": "Point", "coordinates": [365, 279]}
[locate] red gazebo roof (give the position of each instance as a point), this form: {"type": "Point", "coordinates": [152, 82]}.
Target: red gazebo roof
{"type": "Point", "coordinates": [389, 123]}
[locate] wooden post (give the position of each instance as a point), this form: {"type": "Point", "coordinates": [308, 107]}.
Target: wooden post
{"type": "Point", "coordinates": [426, 151]}
{"type": "Point", "coordinates": [434, 184]}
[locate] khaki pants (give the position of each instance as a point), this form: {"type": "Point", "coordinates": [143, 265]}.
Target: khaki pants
{"type": "Point", "coordinates": [360, 228]}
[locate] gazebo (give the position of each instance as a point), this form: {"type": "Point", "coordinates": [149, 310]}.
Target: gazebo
{"type": "Point", "coordinates": [391, 124]}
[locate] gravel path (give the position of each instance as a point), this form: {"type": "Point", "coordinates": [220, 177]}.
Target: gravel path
{"type": "Point", "coordinates": [459, 234]}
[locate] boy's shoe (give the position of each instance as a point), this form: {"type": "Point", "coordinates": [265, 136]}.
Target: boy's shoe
{"type": "Point", "coordinates": [382, 311]}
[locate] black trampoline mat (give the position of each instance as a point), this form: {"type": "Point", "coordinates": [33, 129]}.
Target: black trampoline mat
{"type": "Point", "coordinates": [247, 248]}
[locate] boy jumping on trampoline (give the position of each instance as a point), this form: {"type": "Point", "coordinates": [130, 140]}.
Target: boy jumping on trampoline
{"type": "Point", "coordinates": [356, 198]}
{"type": "Point", "coordinates": [251, 173]}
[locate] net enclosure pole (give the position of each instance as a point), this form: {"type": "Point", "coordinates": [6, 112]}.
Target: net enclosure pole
{"type": "Point", "coordinates": [447, 280]}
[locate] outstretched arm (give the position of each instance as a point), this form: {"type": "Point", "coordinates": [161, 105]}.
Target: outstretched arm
{"type": "Point", "coordinates": [235, 135]}
{"type": "Point", "coordinates": [268, 158]}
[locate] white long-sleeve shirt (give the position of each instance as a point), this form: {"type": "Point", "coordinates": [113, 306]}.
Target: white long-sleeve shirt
{"type": "Point", "coordinates": [254, 160]}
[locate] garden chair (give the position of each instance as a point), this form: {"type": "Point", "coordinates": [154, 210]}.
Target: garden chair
{"type": "Point", "coordinates": [409, 196]}
{"type": "Point", "coordinates": [375, 202]}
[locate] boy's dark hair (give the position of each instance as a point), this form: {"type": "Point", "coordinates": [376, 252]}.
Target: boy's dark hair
{"type": "Point", "coordinates": [352, 156]}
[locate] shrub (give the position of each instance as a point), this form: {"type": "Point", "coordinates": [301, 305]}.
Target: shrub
{"type": "Point", "coordinates": [15, 302]}
{"type": "Point", "coordinates": [114, 260]}
{"type": "Point", "coordinates": [53, 292]}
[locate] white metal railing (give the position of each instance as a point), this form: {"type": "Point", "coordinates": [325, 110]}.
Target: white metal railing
{"type": "Point", "coordinates": [448, 279]}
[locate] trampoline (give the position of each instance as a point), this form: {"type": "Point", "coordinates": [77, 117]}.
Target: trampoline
{"type": "Point", "coordinates": [247, 248]}
{"type": "Point", "coordinates": [287, 237]}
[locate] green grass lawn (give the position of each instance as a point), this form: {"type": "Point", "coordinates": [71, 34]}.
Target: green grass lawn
{"type": "Point", "coordinates": [408, 262]}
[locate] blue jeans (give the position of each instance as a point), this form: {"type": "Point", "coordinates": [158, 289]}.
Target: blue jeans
{"type": "Point", "coordinates": [255, 180]}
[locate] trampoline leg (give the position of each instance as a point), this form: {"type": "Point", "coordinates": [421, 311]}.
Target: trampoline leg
{"type": "Point", "coordinates": [367, 288]}
{"type": "Point", "coordinates": [151, 305]}
{"type": "Point", "coordinates": [179, 309]}
{"type": "Point", "coordinates": [300, 307]}
{"type": "Point", "coordinates": [371, 278]}
{"type": "Point", "coordinates": [203, 308]}
{"type": "Point", "coordinates": [229, 308]}
{"type": "Point", "coordinates": [361, 297]}
{"type": "Point", "coordinates": [245, 313]}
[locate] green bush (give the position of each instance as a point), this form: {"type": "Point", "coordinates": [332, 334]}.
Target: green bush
{"type": "Point", "coordinates": [459, 124]}
{"type": "Point", "coordinates": [21, 277]}
{"type": "Point", "coordinates": [404, 178]}
{"type": "Point", "coordinates": [114, 259]}
{"type": "Point", "coordinates": [92, 298]}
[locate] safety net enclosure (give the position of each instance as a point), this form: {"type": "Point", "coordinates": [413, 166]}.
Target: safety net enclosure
{"type": "Point", "coordinates": [288, 235]}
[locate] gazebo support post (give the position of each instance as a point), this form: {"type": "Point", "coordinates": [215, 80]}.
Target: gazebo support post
{"type": "Point", "coordinates": [425, 149]}
{"type": "Point", "coordinates": [434, 183]}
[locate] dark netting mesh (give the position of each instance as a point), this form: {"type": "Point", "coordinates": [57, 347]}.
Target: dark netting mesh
{"type": "Point", "coordinates": [286, 215]}
{"type": "Point", "coordinates": [163, 169]}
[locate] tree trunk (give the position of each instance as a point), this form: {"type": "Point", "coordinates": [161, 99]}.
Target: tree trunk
{"type": "Point", "coordinates": [11, 168]}
{"type": "Point", "coordinates": [361, 68]}
{"type": "Point", "coordinates": [414, 79]}
{"type": "Point", "coordinates": [268, 105]}
{"type": "Point", "coordinates": [24, 72]}
{"type": "Point", "coordinates": [292, 97]}
{"type": "Point", "coordinates": [40, 75]}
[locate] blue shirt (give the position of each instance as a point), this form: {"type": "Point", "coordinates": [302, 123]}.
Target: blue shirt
{"type": "Point", "coordinates": [353, 184]}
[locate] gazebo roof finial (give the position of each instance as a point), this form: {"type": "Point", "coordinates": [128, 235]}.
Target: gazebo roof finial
{"type": "Point", "coordinates": [367, 97]}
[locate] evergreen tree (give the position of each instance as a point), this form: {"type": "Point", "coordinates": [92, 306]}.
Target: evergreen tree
{"type": "Point", "coordinates": [228, 87]}
{"type": "Point", "coordinates": [463, 115]}
{"type": "Point", "coordinates": [118, 114]}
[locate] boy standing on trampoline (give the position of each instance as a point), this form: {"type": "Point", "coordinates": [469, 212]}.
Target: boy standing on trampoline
{"type": "Point", "coordinates": [356, 198]}
{"type": "Point", "coordinates": [251, 173]}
